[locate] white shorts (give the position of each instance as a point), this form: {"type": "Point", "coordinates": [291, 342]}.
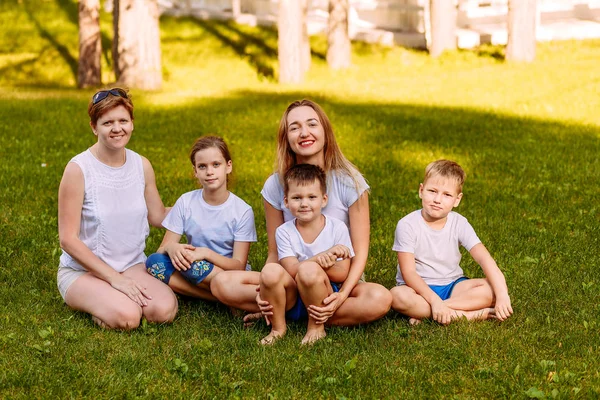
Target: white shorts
{"type": "Point", "coordinates": [65, 278]}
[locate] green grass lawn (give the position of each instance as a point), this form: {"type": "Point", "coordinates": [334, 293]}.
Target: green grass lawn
{"type": "Point", "coordinates": [527, 135]}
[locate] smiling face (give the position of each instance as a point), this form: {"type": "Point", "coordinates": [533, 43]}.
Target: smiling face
{"type": "Point", "coordinates": [305, 202]}
{"type": "Point", "coordinates": [305, 135]}
{"type": "Point", "coordinates": [114, 128]}
{"type": "Point", "coordinates": [211, 169]}
{"type": "Point", "coordinates": [439, 196]}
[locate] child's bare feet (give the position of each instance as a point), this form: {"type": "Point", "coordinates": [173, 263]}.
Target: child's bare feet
{"type": "Point", "coordinates": [99, 322]}
{"type": "Point", "coordinates": [414, 321]}
{"type": "Point", "coordinates": [480, 315]}
{"type": "Point", "coordinates": [272, 337]}
{"type": "Point", "coordinates": [312, 335]}
{"type": "Point", "coordinates": [250, 319]}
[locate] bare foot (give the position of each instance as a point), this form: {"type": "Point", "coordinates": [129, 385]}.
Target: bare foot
{"type": "Point", "coordinates": [100, 323]}
{"type": "Point", "coordinates": [313, 335]}
{"type": "Point", "coordinates": [414, 321]}
{"type": "Point", "coordinates": [272, 337]}
{"type": "Point", "coordinates": [480, 315]}
{"type": "Point", "coordinates": [250, 319]}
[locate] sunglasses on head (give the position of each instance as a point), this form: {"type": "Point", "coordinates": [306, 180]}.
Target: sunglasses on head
{"type": "Point", "coordinates": [101, 95]}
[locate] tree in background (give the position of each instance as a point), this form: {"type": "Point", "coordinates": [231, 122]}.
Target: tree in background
{"type": "Point", "coordinates": [305, 51]}
{"type": "Point", "coordinates": [442, 26]}
{"type": "Point", "coordinates": [338, 41]}
{"type": "Point", "coordinates": [522, 21]}
{"type": "Point", "coordinates": [289, 42]}
{"type": "Point", "coordinates": [136, 44]}
{"type": "Point", "coordinates": [89, 72]}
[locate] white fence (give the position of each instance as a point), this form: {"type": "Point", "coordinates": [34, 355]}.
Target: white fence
{"type": "Point", "coordinates": [388, 21]}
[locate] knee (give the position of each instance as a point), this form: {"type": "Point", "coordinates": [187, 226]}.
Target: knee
{"type": "Point", "coordinates": [401, 300]}
{"type": "Point", "coordinates": [381, 300]}
{"type": "Point", "coordinates": [160, 266]}
{"type": "Point", "coordinates": [162, 311]}
{"type": "Point", "coordinates": [488, 292]}
{"type": "Point", "coordinates": [310, 274]}
{"type": "Point", "coordinates": [125, 318]}
{"type": "Point", "coordinates": [272, 275]}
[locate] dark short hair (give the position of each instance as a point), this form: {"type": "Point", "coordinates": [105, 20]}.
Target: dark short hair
{"type": "Point", "coordinates": [303, 175]}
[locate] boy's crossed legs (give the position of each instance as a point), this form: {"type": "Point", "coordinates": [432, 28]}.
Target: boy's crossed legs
{"type": "Point", "coordinates": [470, 298]}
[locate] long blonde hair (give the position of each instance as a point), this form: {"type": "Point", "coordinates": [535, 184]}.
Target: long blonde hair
{"type": "Point", "coordinates": [334, 158]}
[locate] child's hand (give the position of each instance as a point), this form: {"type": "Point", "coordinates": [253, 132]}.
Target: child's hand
{"type": "Point", "coordinates": [340, 251]}
{"type": "Point", "coordinates": [441, 313]}
{"type": "Point", "coordinates": [266, 309]}
{"type": "Point", "coordinates": [326, 260]}
{"type": "Point", "coordinates": [503, 308]}
{"type": "Point", "coordinates": [180, 255]}
{"type": "Point", "coordinates": [199, 254]}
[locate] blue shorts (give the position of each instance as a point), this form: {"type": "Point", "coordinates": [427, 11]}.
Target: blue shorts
{"type": "Point", "coordinates": [445, 291]}
{"type": "Point", "coordinates": [160, 266]}
{"type": "Point", "coordinates": [298, 312]}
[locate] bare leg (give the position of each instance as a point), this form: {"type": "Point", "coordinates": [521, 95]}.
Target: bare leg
{"type": "Point", "coordinates": [163, 306]}
{"type": "Point", "coordinates": [279, 289]}
{"type": "Point", "coordinates": [109, 307]}
{"type": "Point", "coordinates": [367, 302]}
{"type": "Point", "coordinates": [236, 289]}
{"type": "Point", "coordinates": [313, 287]}
{"type": "Point", "coordinates": [470, 295]}
{"type": "Point", "coordinates": [408, 302]}
{"type": "Point", "coordinates": [182, 286]}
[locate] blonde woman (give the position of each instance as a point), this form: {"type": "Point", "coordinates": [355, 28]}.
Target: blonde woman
{"type": "Point", "coordinates": [306, 136]}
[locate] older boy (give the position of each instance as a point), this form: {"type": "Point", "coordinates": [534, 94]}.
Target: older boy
{"type": "Point", "coordinates": [315, 250]}
{"type": "Point", "coordinates": [430, 282]}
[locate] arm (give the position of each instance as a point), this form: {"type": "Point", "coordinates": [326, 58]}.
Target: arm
{"type": "Point", "coordinates": [156, 209]}
{"type": "Point", "coordinates": [360, 229]}
{"type": "Point", "coordinates": [236, 262]}
{"type": "Point", "coordinates": [439, 311]}
{"type": "Point", "coordinates": [274, 219]}
{"type": "Point", "coordinates": [179, 253]}
{"type": "Point", "coordinates": [70, 204]}
{"type": "Point", "coordinates": [496, 279]}
{"type": "Point", "coordinates": [335, 262]}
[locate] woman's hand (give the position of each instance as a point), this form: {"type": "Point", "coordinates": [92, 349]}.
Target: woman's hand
{"type": "Point", "coordinates": [181, 255]}
{"type": "Point", "coordinates": [332, 303]}
{"type": "Point", "coordinates": [131, 289]}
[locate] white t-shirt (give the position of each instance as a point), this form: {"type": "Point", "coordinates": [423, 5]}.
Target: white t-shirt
{"type": "Point", "coordinates": [214, 227]}
{"type": "Point", "coordinates": [341, 193]}
{"type": "Point", "coordinates": [291, 244]}
{"type": "Point", "coordinates": [437, 254]}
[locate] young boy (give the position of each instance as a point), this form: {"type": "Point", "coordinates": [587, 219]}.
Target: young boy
{"type": "Point", "coordinates": [314, 250]}
{"type": "Point", "coordinates": [430, 282]}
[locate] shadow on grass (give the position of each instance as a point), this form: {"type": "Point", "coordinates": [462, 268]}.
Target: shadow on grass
{"type": "Point", "coordinates": [529, 194]}
{"type": "Point", "coordinates": [241, 43]}
{"type": "Point", "coordinates": [60, 48]}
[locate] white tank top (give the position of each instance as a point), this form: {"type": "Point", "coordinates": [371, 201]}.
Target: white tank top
{"type": "Point", "coordinates": [114, 216]}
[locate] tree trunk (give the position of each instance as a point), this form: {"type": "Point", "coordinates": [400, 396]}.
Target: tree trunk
{"type": "Point", "coordinates": [289, 42]}
{"type": "Point", "coordinates": [521, 30]}
{"type": "Point", "coordinates": [338, 41]}
{"type": "Point", "coordinates": [136, 46]}
{"type": "Point", "coordinates": [442, 26]}
{"type": "Point", "coordinates": [89, 72]}
{"type": "Point", "coordinates": [305, 51]}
